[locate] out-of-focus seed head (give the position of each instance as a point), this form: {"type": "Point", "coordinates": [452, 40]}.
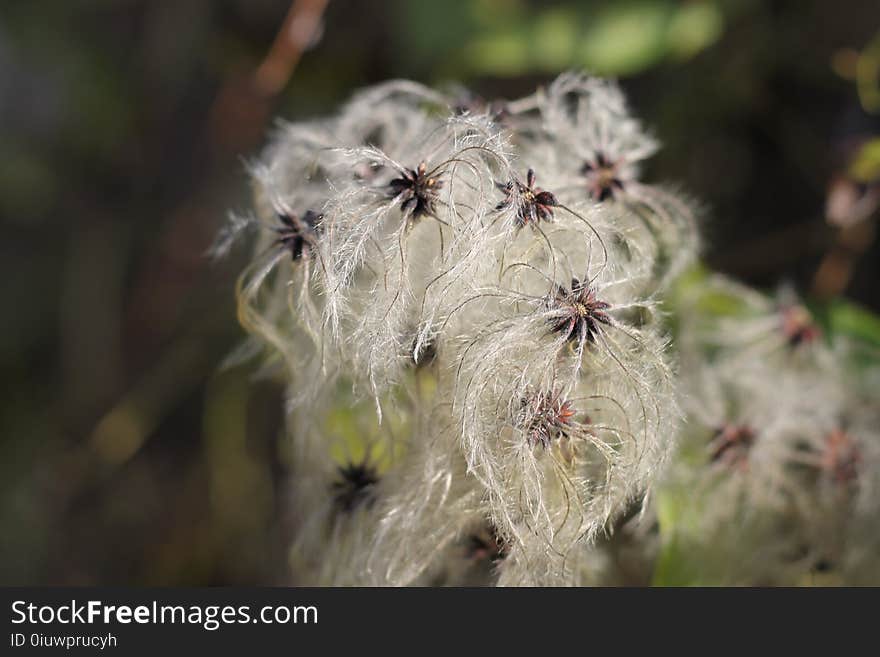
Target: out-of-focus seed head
{"type": "Point", "coordinates": [603, 178]}
{"type": "Point", "coordinates": [298, 234]}
{"type": "Point", "coordinates": [841, 457]}
{"type": "Point", "coordinates": [484, 544]}
{"type": "Point", "coordinates": [355, 485]}
{"type": "Point", "coordinates": [731, 444]}
{"type": "Point", "coordinates": [798, 326]}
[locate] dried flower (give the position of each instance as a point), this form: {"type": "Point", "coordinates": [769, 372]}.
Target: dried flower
{"type": "Point", "coordinates": [580, 312]}
{"type": "Point", "coordinates": [533, 203]}
{"type": "Point", "coordinates": [417, 190]}
{"type": "Point", "coordinates": [355, 485]}
{"type": "Point", "coordinates": [298, 235]}
{"type": "Point", "coordinates": [603, 179]}
{"type": "Point", "coordinates": [546, 416]}
{"type": "Point", "coordinates": [731, 445]}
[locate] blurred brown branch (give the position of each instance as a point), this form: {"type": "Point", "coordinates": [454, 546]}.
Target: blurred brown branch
{"type": "Point", "coordinates": [299, 30]}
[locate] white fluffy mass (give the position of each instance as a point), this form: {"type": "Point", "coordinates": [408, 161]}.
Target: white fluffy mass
{"type": "Point", "coordinates": [463, 299]}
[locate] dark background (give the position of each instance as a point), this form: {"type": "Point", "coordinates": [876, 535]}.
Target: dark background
{"type": "Point", "coordinates": [127, 456]}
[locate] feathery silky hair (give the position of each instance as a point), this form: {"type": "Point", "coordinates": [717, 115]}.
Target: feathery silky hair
{"type": "Point", "coordinates": [465, 298]}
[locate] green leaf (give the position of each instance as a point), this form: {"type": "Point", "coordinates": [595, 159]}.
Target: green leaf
{"type": "Point", "coordinates": [865, 166]}
{"type": "Point", "coordinates": [500, 53]}
{"type": "Point", "coordinates": [847, 318]}
{"type": "Point", "coordinates": [673, 566]}
{"type": "Point", "coordinates": [696, 283]}
{"type": "Point", "coordinates": [556, 31]}
{"type": "Point", "coordinates": [694, 27]}
{"type": "Point", "coordinates": [626, 38]}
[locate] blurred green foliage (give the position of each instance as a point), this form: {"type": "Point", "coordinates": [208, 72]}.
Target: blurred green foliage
{"type": "Point", "coordinates": [512, 37]}
{"type": "Point", "coordinates": [849, 319]}
{"type": "Point", "coordinates": [685, 558]}
{"type": "Point", "coordinates": [865, 166]}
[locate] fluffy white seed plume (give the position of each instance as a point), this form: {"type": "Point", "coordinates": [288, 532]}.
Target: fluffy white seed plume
{"type": "Point", "coordinates": [485, 281]}
{"type": "Point", "coordinates": [596, 146]}
{"type": "Point", "coordinates": [776, 477]}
